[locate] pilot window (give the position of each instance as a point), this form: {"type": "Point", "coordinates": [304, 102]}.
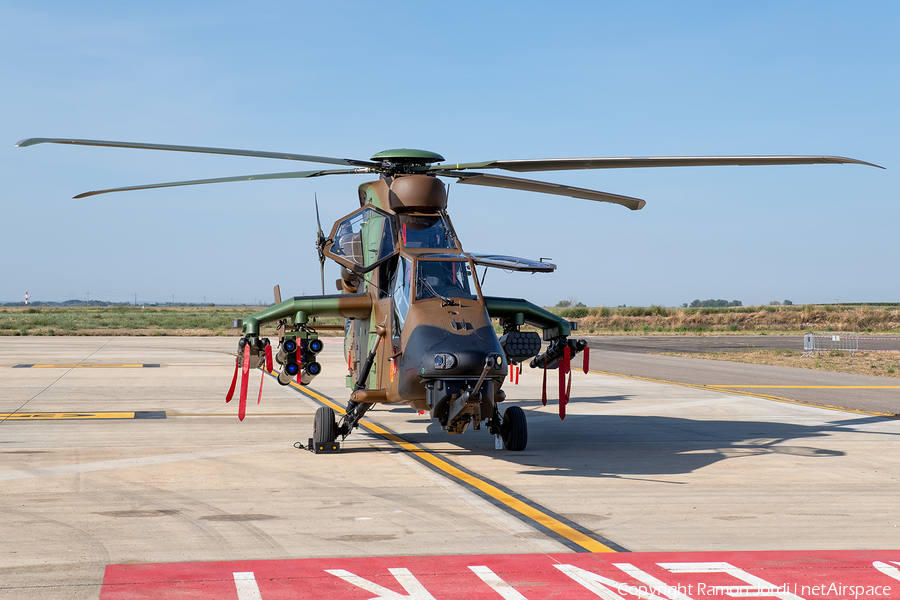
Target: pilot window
{"type": "Point", "coordinates": [444, 279]}
{"type": "Point", "coordinates": [364, 238]}
{"type": "Point", "coordinates": [425, 231]}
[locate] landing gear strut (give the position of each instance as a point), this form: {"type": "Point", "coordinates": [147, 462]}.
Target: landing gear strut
{"type": "Point", "coordinates": [355, 412]}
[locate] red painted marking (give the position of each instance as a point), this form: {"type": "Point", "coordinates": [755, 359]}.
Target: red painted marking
{"type": "Point", "coordinates": [269, 358]}
{"type": "Point", "coordinates": [230, 393]}
{"type": "Point", "coordinates": [544, 388]}
{"type": "Point", "coordinates": [565, 368]}
{"type": "Point", "coordinates": [820, 575]}
{"type": "Point", "coordinates": [261, 379]}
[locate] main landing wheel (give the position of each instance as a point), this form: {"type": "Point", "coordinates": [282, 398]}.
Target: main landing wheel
{"type": "Point", "coordinates": [514, 430]}
{"type": "Point", "coordinates": [324, 427]}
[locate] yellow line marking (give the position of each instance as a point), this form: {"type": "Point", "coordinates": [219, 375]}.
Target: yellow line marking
{"type": "Point", "coordinates": [232, 415]}
{"type": "Point", "coordinates": [81, 366]}
{"type": "Point", "coordinates": [546, 520]}
{"type": "Point", "coordinates": [814, 387]}
{"type": "Point", "coordinates": [47, 416]}
{"type": "Point", "coordinates": [725, 390]}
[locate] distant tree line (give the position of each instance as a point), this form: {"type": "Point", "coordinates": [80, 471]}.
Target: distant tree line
{"type": "Point", "coordinates": [570, 303]}
{"type": "Point", "coordinates": [714, 303]}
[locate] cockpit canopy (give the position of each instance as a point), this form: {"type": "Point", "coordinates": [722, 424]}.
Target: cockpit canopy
{"type": "Point", "coordinates": [425, 231]}
{"type": "Point", "coordinates": [445, 276]}
{"type": "Point", "coordinates": [368, 237]}
{"type": "Point", "coordinates": [448, 277]}
{"type": "Point", "coordinates": [363, 239]}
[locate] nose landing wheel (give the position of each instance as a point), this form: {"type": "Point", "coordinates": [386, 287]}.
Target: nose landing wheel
{"type": "Point", "coordinates": [514, 429]}
{"type": "Point", "coordinates": [324, 426]}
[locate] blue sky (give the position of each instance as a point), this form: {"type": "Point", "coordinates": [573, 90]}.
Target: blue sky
{"type": "Point", "coordinates": [472, 81]}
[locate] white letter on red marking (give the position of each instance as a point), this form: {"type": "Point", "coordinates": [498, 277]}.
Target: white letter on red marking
{"type": "Point", "coordinates": [597, 584]}
{"type": "Point", "coordinates": [889, 570]}
{"type": "Point", "coordinates": [245, 583]}
{"type": "Point", "coordinates": [758, 588]}
{"type": "Point", "coordinates": [506, 591]}
{"type": "Point", "coordinates": [654, 584]}
{"type": "Point", "coordinates": [403, 577]}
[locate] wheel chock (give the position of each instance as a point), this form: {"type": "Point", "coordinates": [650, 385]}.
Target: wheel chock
{"type": "Point", "coordinates": [324, 447]}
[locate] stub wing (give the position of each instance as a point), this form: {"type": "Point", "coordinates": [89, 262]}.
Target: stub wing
{"type": "Point", "coordinates": [353, 306]}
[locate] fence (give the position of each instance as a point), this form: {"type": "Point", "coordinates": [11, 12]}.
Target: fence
{"type": "Point", "coordinates": [821, 341]}
{"type": "Point", "coordinates": [848, 341]}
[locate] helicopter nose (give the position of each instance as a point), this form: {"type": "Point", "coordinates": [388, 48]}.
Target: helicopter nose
{"type": "Point", "coordinates": [435, 352]}
{"type": "Point", "coordinates": [449, 362]}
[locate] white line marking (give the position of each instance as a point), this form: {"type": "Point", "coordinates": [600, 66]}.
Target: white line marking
{"type": "Point", "coordinates": [135, 462]}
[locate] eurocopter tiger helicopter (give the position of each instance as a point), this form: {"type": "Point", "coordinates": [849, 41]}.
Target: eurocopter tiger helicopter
{"type": "Point", "coordinates": [418, 328]}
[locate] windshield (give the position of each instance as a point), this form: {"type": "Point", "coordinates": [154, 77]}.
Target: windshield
{"type": "Point", "coordinates": [425, 231]}
{"type": "Point", "coordinates": [401, 291]}
{"type": "Point", "coordinates": [444, 279]}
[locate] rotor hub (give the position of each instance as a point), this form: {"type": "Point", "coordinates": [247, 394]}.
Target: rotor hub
{"type": "Point", "coordinates": [403, 160]}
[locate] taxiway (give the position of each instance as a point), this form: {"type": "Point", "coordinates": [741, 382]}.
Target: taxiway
{"type": "Point", "coordinates": [129, 463]}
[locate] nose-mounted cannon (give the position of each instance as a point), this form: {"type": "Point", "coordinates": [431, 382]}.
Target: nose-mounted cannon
{"type": "Point", "coordinates": [456, 401]}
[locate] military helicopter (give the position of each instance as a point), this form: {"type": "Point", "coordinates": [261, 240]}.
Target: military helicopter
{"type": "Point", "coordinates": [418, 327]}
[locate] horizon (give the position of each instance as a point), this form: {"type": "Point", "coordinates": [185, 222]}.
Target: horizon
{"type": "Point", "coordinates": [102, 303]}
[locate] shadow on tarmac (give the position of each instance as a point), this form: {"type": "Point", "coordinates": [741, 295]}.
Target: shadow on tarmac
{"type": "Point", "coordinates": [632, 446]}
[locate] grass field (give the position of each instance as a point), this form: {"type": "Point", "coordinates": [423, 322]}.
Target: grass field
{"type": "Point", "coordinates": [127, 320]}
{"type": "Point", "coordinates": [217, 320]}
{"type": "Point", "coordinates": [883, 364]}
{"type": "Point", "coordinates": [882, 318]}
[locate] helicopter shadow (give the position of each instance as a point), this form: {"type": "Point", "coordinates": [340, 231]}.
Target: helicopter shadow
{"type": "Point", "coordinates": [631, 446]}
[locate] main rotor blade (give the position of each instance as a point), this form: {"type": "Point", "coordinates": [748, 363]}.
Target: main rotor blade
{"type": "Point", "coordinates": [202, 149]}
{"type": "Point", "coordinates": [291, 175]}
{"type": "Point", "coordinates": [567, 164]}
{"type": "Point", "coordinates": [543, 187]}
